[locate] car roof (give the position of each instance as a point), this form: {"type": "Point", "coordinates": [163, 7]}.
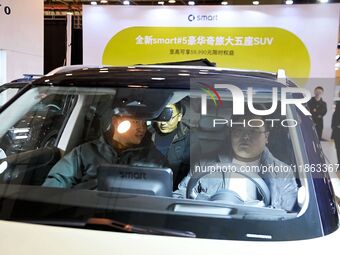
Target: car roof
{"type": "Point", "coordinates": [159, 76]}
{"type": "Point", "coordinates": [19, 83]}
{"type": "Point", "coordinates": [13, 85]}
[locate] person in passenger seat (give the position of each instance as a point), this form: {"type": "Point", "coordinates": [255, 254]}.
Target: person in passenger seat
{"type": "Point", "coordinates": [172, 140]}
{"type": "Point", "coordinates": [248, 148]}
{"type": "Point", "coordinates": [125, 143]}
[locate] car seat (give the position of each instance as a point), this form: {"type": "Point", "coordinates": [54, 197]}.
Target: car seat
{"type": "Point", "coordinates": [207, 140]}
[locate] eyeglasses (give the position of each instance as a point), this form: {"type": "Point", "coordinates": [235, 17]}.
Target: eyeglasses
{"type": "Point", "coordinates": [172, 117]}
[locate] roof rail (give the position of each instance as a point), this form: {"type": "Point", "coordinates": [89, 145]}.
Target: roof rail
{"type": "Point", "coordinates": [194, 62]}
{"type": "Point", "coordinates": [64, 69]}
{"type": "Point", "coordinates": [28, 77]}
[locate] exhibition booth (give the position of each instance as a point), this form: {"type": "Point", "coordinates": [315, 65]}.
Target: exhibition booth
{"type": "Point", "coordinates": [169, 128]}
{"type": "Point", "coordinates": [300, 39]}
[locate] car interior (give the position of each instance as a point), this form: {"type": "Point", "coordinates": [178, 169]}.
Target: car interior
{"type": "Point", "coordinates": [90, 115]}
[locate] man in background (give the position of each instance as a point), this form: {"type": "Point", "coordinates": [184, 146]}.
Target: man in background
{"type": "Point", "coordinates": [318, 109]}
{"type": "Point", "coordinates": [336, 128]}
{"type": "Point", "coordinates": [173, 141]}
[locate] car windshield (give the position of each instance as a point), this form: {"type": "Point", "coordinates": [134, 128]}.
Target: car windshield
{"type": "Point", "coordinates": [6, 94]}
{"type": "Point", "coordinates": [166, 158]}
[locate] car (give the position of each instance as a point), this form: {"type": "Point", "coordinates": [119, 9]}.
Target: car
{"type": "Point", "coordinates": [135, 208]}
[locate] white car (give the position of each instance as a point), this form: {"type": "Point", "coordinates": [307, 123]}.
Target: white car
{"type": "Point", "coordinates": [132, 209]}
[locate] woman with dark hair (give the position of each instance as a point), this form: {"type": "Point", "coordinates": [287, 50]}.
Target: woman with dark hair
{"type": "Point", "coordinates": [336, 128]}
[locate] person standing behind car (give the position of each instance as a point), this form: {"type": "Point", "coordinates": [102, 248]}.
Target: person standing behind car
{"type": "Point", "coordinates": [172, 140]}
{"type": "Point", "coordinates": [318, 109]}
{"type": "Point", "coordinates": [336, 129]}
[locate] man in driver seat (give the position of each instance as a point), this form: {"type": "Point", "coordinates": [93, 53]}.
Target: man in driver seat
{"type": "Point", "coordinates": [248, 148]}
{"type": "Point", "coordinates": [125, 143]}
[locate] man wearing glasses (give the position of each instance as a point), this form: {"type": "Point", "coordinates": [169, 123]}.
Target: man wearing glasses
{"type": "Point", "coordinates": [172, 140]}
{"type": "Point", "coordinates": [248, 148]}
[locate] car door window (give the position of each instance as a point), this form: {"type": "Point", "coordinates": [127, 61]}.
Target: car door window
{"type": "Point", "coordinates": [39, 127]}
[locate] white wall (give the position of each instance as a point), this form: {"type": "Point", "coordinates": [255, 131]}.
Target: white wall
{"type": "Point", "coordinates": [3, 66]}
{"type": "Point", "coordinates": [22, 38]}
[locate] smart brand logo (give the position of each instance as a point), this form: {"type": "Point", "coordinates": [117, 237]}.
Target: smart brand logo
{"type": "Point", "coordinates": [133, 175]}
{"type": "Point", "coordinates": [239, 99]}
{"type": "Point", "coordinates": [201, 18]}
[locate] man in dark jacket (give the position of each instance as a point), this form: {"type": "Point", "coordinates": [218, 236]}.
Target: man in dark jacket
{"type": "Point", "coordinates": [336, 129]}
{"type": "Point", "coordinates": [318, 109]}
{"type": "Point", "coordinates": [173, 141]}
{"type": "Point", "coordinates": [126, 143]}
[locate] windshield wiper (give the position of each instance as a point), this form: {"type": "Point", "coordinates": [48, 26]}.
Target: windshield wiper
{"type": "Point", "coordinates": [116, 225]}
{"type": "Point", "coordinates": [137, 228]}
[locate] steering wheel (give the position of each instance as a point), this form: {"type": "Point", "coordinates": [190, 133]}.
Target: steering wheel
{"type": "Point", "coordinates": [229, 195]}
{"type": "Point", "coordinates": [2, 154]}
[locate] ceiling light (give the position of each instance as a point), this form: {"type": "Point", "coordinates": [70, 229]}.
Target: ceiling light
{"type": "Point", "coordinates": [224, 2]}
{"type": "Point", "coordinates": [323, 1]}
{"type": "Point", "coordinates": [103, 1]}
{"type": "Point", "coordinates": [256, 2]}
{"type": "Point", "coordinates": [126, 2]}
{"type": "Point", "coordinates": [93, 3]}
{"type": "Point", "coordinates": [289, 1]}
{"type": "Point", "coordinates": [172, 1]}
{"type": "Point", "coordinates": [191, 3]}
{"type": "Point", "coordinates": [161, 2]}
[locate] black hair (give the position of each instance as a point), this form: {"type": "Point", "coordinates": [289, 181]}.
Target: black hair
{"type": "Point", "coordinates": [319, 87]}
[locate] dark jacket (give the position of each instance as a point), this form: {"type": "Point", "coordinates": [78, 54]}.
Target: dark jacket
{"type": "Point", "coordinates": [282, 184]}
{"type": "Point", "coordinates": [178, 153]}
{"type": "Point", "coordinates": [336, 122]}
{"type": "Point", "coordinates": [318, 109]}
{"type": "Point", "coordinates": [80, 165]}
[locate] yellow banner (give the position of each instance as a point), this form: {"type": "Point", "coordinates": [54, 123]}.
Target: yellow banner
{"type": "Point", "coordinates": [256, 48]}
